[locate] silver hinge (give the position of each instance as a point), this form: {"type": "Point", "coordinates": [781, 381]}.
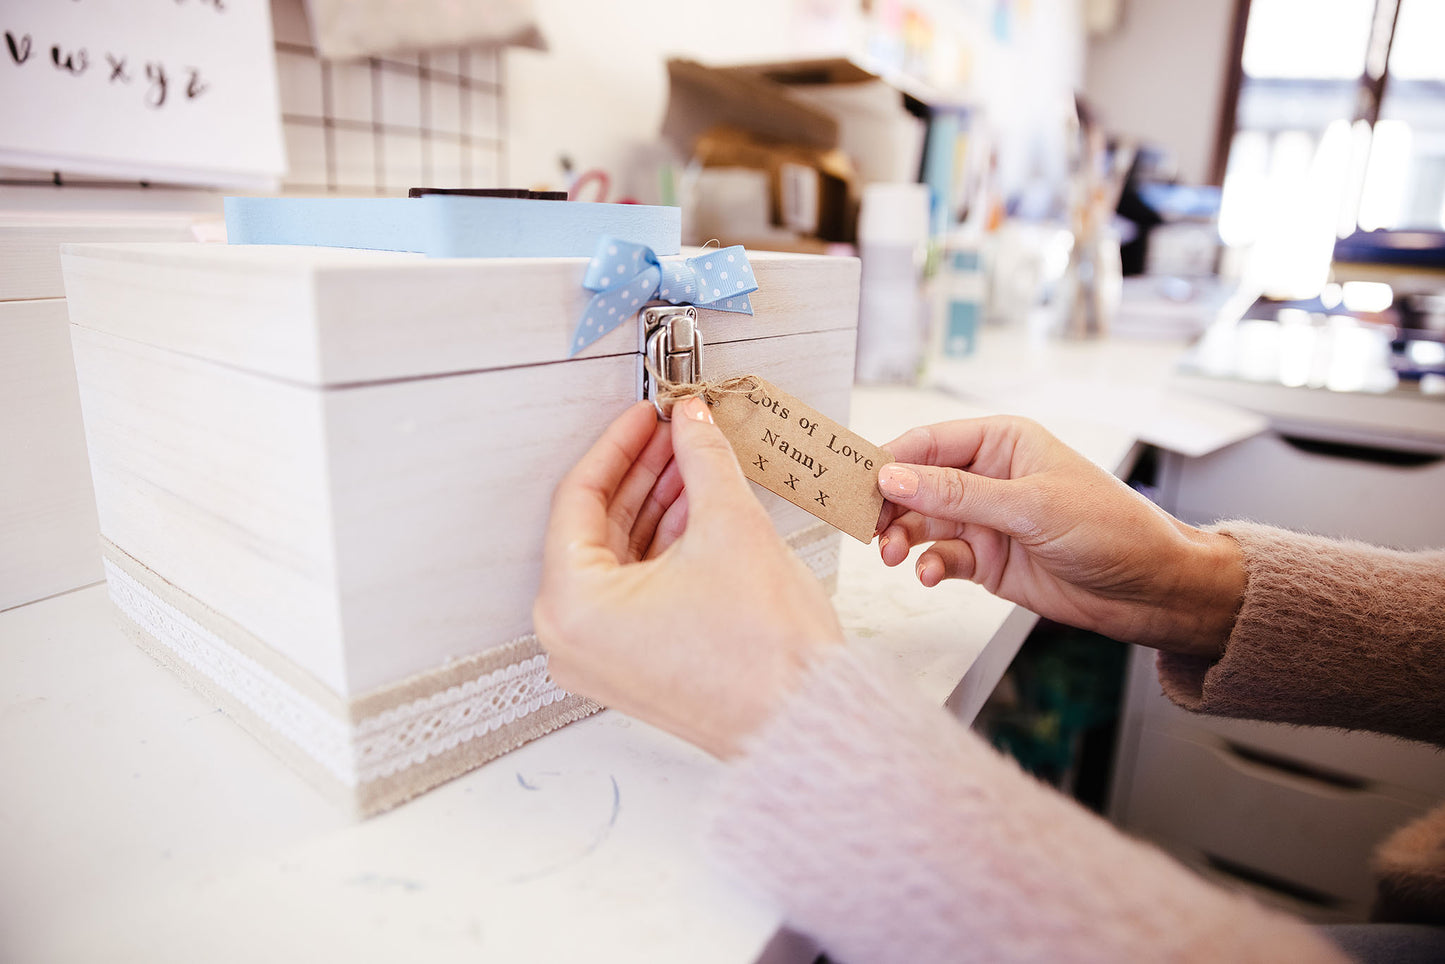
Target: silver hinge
{"type": "Point", "coordinates": [673, 346]}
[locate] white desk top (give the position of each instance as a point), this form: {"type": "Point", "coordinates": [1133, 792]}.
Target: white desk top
{"type": "Point", "coordinates": [139, 824]}
{"type": "Point", "coordinates": [1123, 383]}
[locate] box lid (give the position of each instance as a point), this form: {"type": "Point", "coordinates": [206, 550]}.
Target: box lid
{"type": "Point", "coordinates": [332, 316]}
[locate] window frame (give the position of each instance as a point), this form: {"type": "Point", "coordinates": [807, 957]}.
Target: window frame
{"type": "Point", "coordinates": [1369, 87]}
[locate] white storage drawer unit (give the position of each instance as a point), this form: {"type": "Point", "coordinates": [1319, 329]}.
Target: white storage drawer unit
{"type": "Point", "coordinates": [1290, 813]}
{"type": "Point", "coordinates": [1390, 496]}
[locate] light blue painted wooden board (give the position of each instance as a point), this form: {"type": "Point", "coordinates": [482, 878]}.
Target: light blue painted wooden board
{"type": "Point", "coordinates": [462, 227]}
{"type": "Point", "coordinates": [382, 224]}
{"type": "Point", "coordinates": [452, 226]}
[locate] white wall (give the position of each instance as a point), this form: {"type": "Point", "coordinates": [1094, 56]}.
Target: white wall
{"type": "Point", "coordinates": [599, 94]}
{"type": "Point", "coordinates": [600, 91]}
{"type": "Point", "coordinates": [1026, 90]}
{"type": "Point", "coordinates": [1161, 74]}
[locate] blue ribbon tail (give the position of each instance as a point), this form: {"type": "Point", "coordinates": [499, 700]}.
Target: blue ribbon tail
{"type": "Point", "coordinates": [737, 303]}
{"type": "Point", "coordinates": [615, 304]}
{"type": "Point", "coordinates": [724, 279]}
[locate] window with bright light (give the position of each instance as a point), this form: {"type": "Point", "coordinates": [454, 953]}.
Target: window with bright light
{"type": "Point", "coordinates": [1405, 180]}
{"type": "Point", "coordinates": [1332, 134]}
{"type": "Point", "coordinates": [1307, 39]}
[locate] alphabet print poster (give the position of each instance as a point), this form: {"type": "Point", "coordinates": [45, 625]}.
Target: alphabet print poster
{"type": "Point", "coordinates": [177, 91]}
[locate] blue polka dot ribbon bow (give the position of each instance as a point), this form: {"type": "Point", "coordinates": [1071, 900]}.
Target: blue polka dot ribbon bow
{"type": "Point", "coordinates": [627, 276]}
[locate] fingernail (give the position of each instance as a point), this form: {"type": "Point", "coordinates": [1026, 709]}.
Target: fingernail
{"type": "Point", "coordinates": [882, 543]}
{"type": "Point", "coordinates": [696, 409]}
{"type": "Point", "coordinates": [895, 479]}
{"type": "Point", "coordinates": [925, 572]}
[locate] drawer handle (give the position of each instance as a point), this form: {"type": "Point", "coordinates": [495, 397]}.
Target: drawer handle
{"type": "Point", "coordinates": [1258, 878]}
{"type": "Point", "coordinates": [1361, 453]}
{"type": "Point", "coordinates": [1294, 768]}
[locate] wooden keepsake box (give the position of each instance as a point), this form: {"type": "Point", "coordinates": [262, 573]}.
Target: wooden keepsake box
{"type": "Point", "coordinates": [323, 476]}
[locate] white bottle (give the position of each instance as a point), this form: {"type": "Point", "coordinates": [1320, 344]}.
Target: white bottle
{"type": "Point", "coordinates": [892, 317]}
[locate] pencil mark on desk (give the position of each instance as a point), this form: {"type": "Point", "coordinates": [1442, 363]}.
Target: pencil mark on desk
{"type": "Point", "coordinates": [606, 830]}
{"type": "Point", "coordinates": [603, 833]}
{"type": "Point", "coordinates": [616, 804]}
{"type": "Point", "coordinates": [526, 784]}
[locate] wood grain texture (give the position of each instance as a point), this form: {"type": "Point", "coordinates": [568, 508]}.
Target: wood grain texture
{"type": "Point", "coordinates": [216, 480]}
{"type": "Point", "coordinates": [372, 531]}
{"type": "Point", "coordinates": [49, 534]}
{"type": "Point", "coordinates": [441, 490]}
{"type": "Point", "coordinates": [326, 316]}
{"type": "Point", "coordinates": [30, 243]}
{"type": "Point", "coordinates": [253, 309]}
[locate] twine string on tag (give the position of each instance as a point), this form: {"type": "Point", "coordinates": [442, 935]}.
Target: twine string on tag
{"type": "Point", "coordinates": [669, 393]}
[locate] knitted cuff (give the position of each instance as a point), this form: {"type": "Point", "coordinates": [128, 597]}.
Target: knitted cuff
{"type": "Point", "coordinates": [1331, 633]}
{"type": "Point", "coordinates": [887, 831]}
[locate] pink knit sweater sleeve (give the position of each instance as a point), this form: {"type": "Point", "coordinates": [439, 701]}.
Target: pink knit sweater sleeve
{"type": "Point", "coordinates": [1331, 633]}
{"type": "Point", "coordinates": [888, 832]}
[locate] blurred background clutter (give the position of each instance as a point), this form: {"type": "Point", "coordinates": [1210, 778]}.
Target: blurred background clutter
{"type": "Point", "coordinates": [1086, 164]}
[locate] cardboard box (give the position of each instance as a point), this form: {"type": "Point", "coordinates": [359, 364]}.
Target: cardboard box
{"type": "Point", "coordinates": [881, 123]}
{"type": "Point", "coordinates": [834, 205]}
{"type": "Point", "coordinates": [732, 118]}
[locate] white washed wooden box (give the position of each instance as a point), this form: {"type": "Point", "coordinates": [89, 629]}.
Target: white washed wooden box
{"type": "Point", "coordinates": [323, 476]}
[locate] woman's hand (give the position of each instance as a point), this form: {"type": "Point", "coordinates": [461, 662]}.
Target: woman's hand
{"type": "Point", "coordinates": [1012, 508]}
{"type": "Point", "coordinates": [666, 593]}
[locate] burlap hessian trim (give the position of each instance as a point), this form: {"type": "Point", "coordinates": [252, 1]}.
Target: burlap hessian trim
{"type": "Point", "coordinates": [367, 797]}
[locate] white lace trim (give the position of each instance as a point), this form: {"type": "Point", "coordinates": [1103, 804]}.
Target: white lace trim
{"type": "Point", "coordinates": [389, 742]}
{"type": "Point", "coordinates": [277, 703]}
{"type": "Point", "coordinates": [408, 734]}
{"type": "Point", "coordinates": [378, 746]}
{"type": "Point", "coordinates": [820, 555]}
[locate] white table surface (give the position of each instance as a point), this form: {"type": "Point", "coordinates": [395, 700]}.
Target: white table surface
{"type": "Point", "coordinates": [139, 824]}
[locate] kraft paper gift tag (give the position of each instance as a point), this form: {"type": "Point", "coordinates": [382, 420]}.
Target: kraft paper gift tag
{"type": "Point", "coordinates": [791, 449]}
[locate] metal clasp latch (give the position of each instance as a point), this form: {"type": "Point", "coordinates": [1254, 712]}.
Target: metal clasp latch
{"type": "Point", "coordinates": [673, 346]}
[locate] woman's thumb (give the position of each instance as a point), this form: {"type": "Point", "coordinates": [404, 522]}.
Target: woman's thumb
{"type": "Point", "coordinates": [709, 468]}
